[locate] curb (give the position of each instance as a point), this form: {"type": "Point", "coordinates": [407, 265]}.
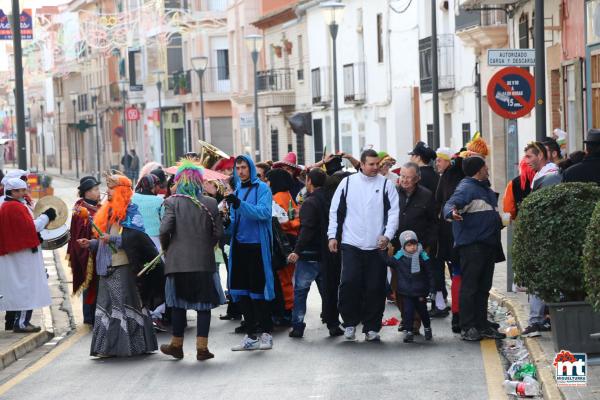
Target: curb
{"type": "Point", "coordinates": [545, 370]}
{"type": "Point", "coordinates": [28, 343]}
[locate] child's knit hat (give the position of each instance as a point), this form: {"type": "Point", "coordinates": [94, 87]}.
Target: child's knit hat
{"type": "Point", "coordinates": [408, 236]}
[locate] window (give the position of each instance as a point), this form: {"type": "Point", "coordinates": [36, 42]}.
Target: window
{"type": "Point", "coordinates": [300, 50]}
{"type": "Point", "coordinates": [135, 70]}
{"type": "Point", "coordinates": [425, 64]}
{"type": "Point", "coordinates": [524, 31]}
{"type": "Point", "coordinates": [466, 133]}
{"type": "Point", "coordinates": [380, 38]}
{"type": "Point", "coordinates": [430, 134]}
{"type": "Point", "coordinates": [349, 82]}
{"type": "Point", "coordinates": [223, 64]}
{"type": "Point", "coordinates": [274, 143]}
{"type": "Point", "coordinates": [300, 74]}
{"type": "Point", "coordinates": [174, 55]}
{"type": "Point", "coordinates": [315, 75]}
{"type": "Point", "coordinates": [300, 148]}
{"type": "Point", "coordinates": [318, 138]}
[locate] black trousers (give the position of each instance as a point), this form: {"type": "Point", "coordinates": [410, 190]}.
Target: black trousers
{"type": "Point", "coordinates": [9, 320]}
{"type": "Point", "coordinates": [477, 265]}
{"type": "Point", "coordinates": [329, 287]}
{"type": "Point", "coordinates": [362, 288]}
{"type": "Point", "coordinates": [411, 305]}
{"type": "Point", "coordinates": [256, 312]}
{"type": "Point", "coordinates": [438, 268]}
{"type": "Point", "coordinates": [178, 316]}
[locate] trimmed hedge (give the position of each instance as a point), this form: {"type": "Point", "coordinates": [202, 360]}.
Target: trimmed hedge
{"type": "Point", "coordinates": [548, 242]}
{"type": "Point", "coordinates": [591, 259]}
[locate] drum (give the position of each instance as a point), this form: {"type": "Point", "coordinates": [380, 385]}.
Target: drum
{"type": "Point", "coordinates": [55, 238]}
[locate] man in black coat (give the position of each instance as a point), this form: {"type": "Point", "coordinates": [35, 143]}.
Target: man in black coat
{"type": "Point", "coordinates": [417, 214]}
{"type": "Point", "coordinates": [311, 256]}
{"type": "Point", "coordinates": [589, 169]}
{"type": "Point", "coordinates": [422, 155]}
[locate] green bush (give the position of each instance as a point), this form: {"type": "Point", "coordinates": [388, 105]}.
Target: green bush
{"type": "Point", "coordinates": [591, 259]}
{"type": "Point", "coordinates": [548, 241]}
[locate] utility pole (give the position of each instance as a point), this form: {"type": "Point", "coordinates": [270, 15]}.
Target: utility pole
{"type": "Point", "coordinates": [540, 72]}
{"type": "Point", "coordinates": [435, 77]}
{"type": "Point", "coordinates": [19, 96]}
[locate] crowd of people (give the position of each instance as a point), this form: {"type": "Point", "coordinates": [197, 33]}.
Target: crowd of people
{"type": "Point", "coordinates": [364, 232]}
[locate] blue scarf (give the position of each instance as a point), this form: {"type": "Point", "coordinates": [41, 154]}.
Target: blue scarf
{"type": "Point", "coordinates": [133, 218]}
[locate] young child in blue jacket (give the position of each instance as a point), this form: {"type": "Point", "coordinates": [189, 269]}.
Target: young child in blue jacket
{"type": "Point", "coordinates": [414, 282]}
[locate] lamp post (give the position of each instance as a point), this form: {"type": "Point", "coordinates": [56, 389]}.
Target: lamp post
{"type": "Point", "coordinates": [159, 74]}
{"type": "Point", "coordinates": [123, 86]}
{"type": "Point", "coordinates": [254, 43]}
{"type": "Point", "coordinates": [43, 136]}
{"type": "Point", "coordinates": [333, 13]}
{"type": "Point", "coordinates": [199, 64]}
{"type": "Point", "coordinates": [11, 104]}
{"type": "Point", "coordinates": [95, 92]}
{"type": "Point", "coordinates": [73, 97]}
{"type": "Point", "coordinates": [58, 103]}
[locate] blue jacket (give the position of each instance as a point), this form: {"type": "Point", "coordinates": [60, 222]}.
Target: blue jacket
{"type": "Point", "coordinates": [478, 205]}
{"type": "Point", "coordinates": [256, 208]}
{"type": "Point", "coordinates": [409, 284]}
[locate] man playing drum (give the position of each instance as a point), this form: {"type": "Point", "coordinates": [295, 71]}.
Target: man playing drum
{"type": "Point", "coordinates": [23, 282]}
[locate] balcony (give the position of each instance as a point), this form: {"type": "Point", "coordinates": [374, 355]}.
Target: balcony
{"type": "Point", "coordinates": [445, 63]}
{"type": "Point", "coordinates": [354, 83]}
{"type": "Point", "coordinates": [181, 83]}
{"type": "Point", "coordinates": [482, 29]}
{"type": "Point", "coordinates": [321, 92]}
{"type": "Point", "coordinates": [216, 83]}
{"type": "Point", "coordinates": [274, 88]}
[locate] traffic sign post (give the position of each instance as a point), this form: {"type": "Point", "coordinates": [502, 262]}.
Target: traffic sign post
{"type": "Point", "coordinates": [511, 92]}
{"type": "Point", "coordinates": [132, 114]}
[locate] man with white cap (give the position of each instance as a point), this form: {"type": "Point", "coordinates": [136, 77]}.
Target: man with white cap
{"type": "Point", "coordinates": [15, 173]}
{"type": "Point", "coordinates": [23, 282]}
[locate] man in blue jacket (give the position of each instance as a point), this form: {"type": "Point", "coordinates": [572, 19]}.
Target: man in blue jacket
{"type": "Point", "coordinates": [250, 274]}
{"type": "Point", "coordinates": [476, 228]}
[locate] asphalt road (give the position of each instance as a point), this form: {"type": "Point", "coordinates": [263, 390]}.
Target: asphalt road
{"type": "Point", "coordinates": [315, 367]}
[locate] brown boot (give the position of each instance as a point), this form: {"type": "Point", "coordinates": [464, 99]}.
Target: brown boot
{"type": "Point", "coordinates": [174, 349]}
{"type": "Point", "coordinates": [202, 353]}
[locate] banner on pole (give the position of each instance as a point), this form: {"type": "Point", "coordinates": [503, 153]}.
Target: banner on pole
{"type": "Point", "coordinates": [25, 21]}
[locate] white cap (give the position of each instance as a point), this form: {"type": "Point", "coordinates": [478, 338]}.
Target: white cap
{"type": "Point", "coordinates": [14, 184]}
{"type": "Point", "coordinates": [15, 173]}
{"type": "Point", "coordinates": [445, 153]}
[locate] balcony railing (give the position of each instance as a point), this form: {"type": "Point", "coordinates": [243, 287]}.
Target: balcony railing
{"type": "Point", "coordinates": [354, 83]}
{"type": "Point", "coordinates": [274, 80]}
{"type": "Point", "coordinates": [320, 78]}
{"type": "Point", "coordinates": [216, 80]}
{"type": "Point", "coordinates": [470, 19]}
{"type": "Point", "coordinates": [181, 82]}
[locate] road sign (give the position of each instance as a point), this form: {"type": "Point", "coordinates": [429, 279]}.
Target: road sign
{"type": "Point", "coordinates": [246, 120]}
{"type": "Point", "coordinates": [511, 92]}
{"type": "Point", "coordinates": [511, 57]}
{"type": "Point", "coordinates": [132, 114]}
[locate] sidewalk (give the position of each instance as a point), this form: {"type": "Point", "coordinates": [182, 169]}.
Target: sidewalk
{"type": "Point", "coordinates": [541, 349]}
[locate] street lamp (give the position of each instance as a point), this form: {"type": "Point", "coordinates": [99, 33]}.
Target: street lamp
{"type": "Point", "coordinates": [333, 13]}
{"type": "Point", "coordinates": [159, 74]}
{"type": "Point", "coordinates": [43, 136]}
{"type": "Point", "coordinates": [123, 86]}
{"type": "Point", "coordinates": [254, 43]}
{"type": "Point", "coordinates": [199, 64]}
{"type": "Point", "coordinates": [95, 92]}
{"type": "Point", "coordinates": [11, 105]}
{"type": "Point", "coordinates": [58, 103]}
{"type": "Point", "coordinates": [73, 97]}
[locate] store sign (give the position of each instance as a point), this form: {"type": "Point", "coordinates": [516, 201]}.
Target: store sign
{"type": "Point", "coordinates": [511, 57]}
{"type": "Point", "coordinates": [26, 21]}
{"type": "Point", "coordinates": [511, 92]}
{"type": "Point", "coordinates": [132, 114]}
{"type": "Point", "coordinates": [247, 120]}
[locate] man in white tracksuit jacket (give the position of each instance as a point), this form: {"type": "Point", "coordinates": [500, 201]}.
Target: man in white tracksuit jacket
{"type": "Point", "coordinates": [369, 207]}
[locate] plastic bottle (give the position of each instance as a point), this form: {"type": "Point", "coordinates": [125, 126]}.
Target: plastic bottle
{"type": "Point", "coordinates": [529, 387]}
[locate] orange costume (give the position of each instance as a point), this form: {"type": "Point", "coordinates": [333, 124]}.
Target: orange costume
{"type": "Point", "coordinates": [290, 228]}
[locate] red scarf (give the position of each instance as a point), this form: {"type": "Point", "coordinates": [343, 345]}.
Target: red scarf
{"type": "Point", "coordinates": [79, 258]}
{"type": "Point", "coordinates": [17, 230]}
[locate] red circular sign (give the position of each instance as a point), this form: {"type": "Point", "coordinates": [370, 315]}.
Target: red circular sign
{"type": "Point", "coordinates": [132, 114]}
{"type": "Point", "coordinates": [511, 92]}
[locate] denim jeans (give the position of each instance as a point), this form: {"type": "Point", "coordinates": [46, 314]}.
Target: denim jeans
{"type": "Point", "coordinates": [306, 273]}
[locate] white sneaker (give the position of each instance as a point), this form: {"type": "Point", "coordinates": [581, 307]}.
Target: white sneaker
{"type": "Point", "coordinates": [266, 341]}
{"type": "Point", "coordinates": [350, 333]}
{"type": "Point", "coordinates": [372, 336]}
{"type": "Point", "coordinates": [248, 344]}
